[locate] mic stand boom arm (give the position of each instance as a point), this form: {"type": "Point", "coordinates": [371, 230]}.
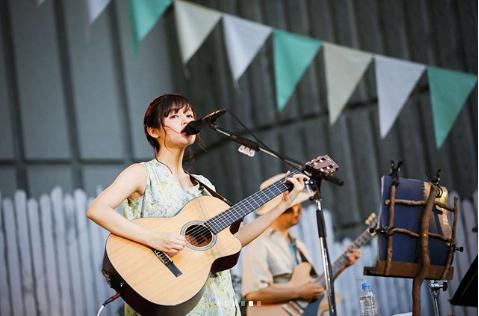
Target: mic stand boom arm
{"type": "Point", "coordinates": [255, 146]}
{"type": "Point", "coordinates": [309, 171]}
{"type": "Point", "coordinates": [316, 178]}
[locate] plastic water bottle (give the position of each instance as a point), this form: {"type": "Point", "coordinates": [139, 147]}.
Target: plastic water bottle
{"type": "Point", "coordinates": [367, 301]}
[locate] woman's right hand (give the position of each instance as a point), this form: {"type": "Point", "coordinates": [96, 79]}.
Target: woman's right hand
{"type": "Point", "coordinates": [169, 243]}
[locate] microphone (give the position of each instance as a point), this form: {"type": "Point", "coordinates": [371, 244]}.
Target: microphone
{"type": "Point", "coordinates": [194, 127]}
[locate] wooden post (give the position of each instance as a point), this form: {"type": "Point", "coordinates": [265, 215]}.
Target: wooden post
{"type": "Point", "coordinates": [389, 250]}
{"type": "Point", "coordinates": [425, 261]}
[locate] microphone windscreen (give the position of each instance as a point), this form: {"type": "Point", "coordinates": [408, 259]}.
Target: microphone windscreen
{"type": "Point", "coordinates": [194, 127]}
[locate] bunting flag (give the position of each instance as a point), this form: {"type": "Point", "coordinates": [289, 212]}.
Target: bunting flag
{"type": "Point", "coordinates": [395, 79]}
{"type": "Point", "coordinates": [243, 41]}
{"type": "Point", "coordinates": [449, 91]}
{"type": "Point", "coordinates": [95, 8]}
{"type": "Point", "coordinates": [193, 24]}
{"type": "Point", "coordinates": [144, 15]}
{"type": "Point", "coordinates": [344, 68]}
{"type": "Point", "coordinates": [292, 55]}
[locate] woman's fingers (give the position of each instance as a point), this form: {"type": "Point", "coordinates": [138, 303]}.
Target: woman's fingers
{"type": "Point", "coordinates": [179, 244]}
{"type": "Point", "coordinates": [298, 185]}
{"type": "Point", "coordinates": [297, 181]}
{"type": "Point", "coordinates": [171, 252]}
{"type": "Point", "coordinates": [174, 243]}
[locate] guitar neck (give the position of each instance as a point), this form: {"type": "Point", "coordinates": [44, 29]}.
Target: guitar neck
{"type": "Point", "coordinates": [342, 261]}
{"type": "Point", "coordinates": [247, 205]}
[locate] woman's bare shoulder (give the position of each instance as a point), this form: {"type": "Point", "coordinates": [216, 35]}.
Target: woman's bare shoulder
{"type": "Point", "coordinates": [136, 170]}
{"type": "Point", "coordinates": [134, 175]}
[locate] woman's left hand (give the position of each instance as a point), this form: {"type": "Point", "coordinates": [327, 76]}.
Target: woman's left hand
{"type": "Point", "coordinates": [298, 182]}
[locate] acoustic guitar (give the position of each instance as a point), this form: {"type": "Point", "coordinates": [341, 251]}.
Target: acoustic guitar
{"type": "Point", "coordinates": [152, 283]}
{"type": "Point", "coordinates": [302, 273]}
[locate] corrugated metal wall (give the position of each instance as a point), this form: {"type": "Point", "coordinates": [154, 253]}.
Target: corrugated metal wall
{"type": "Point", "coordinates": [72, 97]}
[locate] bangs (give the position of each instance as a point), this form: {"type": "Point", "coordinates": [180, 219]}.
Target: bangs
{"type": "Point", "coordinates": [178, 103]}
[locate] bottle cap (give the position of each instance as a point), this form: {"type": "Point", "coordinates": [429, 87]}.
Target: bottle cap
{"type": "Point", "coordinates": [365, 286]}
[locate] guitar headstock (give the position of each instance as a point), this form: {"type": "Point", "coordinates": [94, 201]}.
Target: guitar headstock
{"type": "Point", "coordinates": [371, 221]}
{"type": "Point", "coordinates": [323, 164]}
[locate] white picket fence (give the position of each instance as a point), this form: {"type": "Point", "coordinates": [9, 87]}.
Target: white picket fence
{"type": "Point", "coordinates": [52, 256]}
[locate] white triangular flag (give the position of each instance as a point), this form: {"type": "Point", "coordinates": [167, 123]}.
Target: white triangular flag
{"type": "Point", "coordinates": [193, 23]}
{"type": "Point", "coordinates": [243, 41]}
{"type": "Point", "coordinates": [395, 79]}
{"type": "Point", "coordinates": [95, 8]}
{"type": "Point", "coordinates": [344, 68]}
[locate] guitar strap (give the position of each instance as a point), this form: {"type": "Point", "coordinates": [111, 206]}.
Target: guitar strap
{"type": "Point", "coordinates": [304, 259]}
{"type": "Point", "coordinates": [210, 190]}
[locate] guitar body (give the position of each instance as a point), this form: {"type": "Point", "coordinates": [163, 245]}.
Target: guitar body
{"type": "Point", "coordinates": [153, 286]}
{"type": "Point", "coordinates": [301, 274]}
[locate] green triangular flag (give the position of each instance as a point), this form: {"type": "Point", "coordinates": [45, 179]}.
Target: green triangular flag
{"type": "Point", "coordinates": [292, 55]}
{"type": "Point", "coordinates": [449, 91]}
{"type": "Point", "coordinates": [144, 14]}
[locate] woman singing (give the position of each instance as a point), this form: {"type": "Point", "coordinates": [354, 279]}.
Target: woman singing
{"type": "Point", "coordinates": [161, 187]}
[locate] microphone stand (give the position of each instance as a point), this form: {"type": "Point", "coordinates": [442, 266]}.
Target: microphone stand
{"type": "Point", "coordinates": [316, 178]}
{"type": "Point", "coordinates": [314, 184]}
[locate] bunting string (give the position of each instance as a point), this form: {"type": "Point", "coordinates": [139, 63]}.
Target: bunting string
{"type": "Point", "coordinates": [294, 53]}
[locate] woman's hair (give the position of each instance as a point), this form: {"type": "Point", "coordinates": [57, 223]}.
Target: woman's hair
{"type": "Point", "coordinates": [160, 108]}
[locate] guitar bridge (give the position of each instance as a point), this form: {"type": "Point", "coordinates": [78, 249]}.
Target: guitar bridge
{"type": "Point", "coordinates": [167, 262]}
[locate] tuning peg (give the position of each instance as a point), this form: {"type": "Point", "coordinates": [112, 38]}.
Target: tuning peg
{"type": "Point", "coordinates": [371, 218]}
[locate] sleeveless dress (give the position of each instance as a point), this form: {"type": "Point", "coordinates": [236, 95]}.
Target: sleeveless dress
{"type": "Point", "coordinates": [164, 197]}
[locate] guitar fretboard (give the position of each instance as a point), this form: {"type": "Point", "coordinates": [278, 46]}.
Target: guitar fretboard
{"type": "Point", "coordinates": [339, 263]}
{"type": "Point", "coordinates": [248, 205]}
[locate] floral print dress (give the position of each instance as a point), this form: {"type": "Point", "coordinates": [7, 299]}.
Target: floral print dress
{"type": "Point", "coordinates": [164, 197]}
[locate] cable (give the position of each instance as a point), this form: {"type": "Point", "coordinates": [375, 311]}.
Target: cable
{"type": "Point", "coordinates": [108, 301]}
{"type": "Point", "coordinates": [100, 310]}
{"type": "Point", "coordinates": [249, 131]}
{"type": "Point", "coordinates": [260, 142]}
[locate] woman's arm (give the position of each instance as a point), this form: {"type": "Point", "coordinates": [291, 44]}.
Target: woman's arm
{"type": "Point", "coordinates": [130, 181]}
{"type": "Point", "coordinates": [250, 231]}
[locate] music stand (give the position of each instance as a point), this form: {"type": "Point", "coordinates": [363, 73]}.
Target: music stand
{"type": "Point", "coordinates": [466, 293]}
{"type": "Point", "coordinates": [415, 237]}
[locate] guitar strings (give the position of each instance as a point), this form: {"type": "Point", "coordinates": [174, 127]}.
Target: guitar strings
{"type": "Point", "coordinates": [228, 218]}
{"type": "Point", "coordinates": [225, 218]}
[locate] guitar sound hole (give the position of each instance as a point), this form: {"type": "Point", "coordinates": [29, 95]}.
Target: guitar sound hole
{"type": "Point", "coordinates": [198, 236]}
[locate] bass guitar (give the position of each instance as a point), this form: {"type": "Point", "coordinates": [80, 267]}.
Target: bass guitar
{"type": "Point", "coordinates": [152, 283]}
{"type": "Point", "coordinates": [302, 273]}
